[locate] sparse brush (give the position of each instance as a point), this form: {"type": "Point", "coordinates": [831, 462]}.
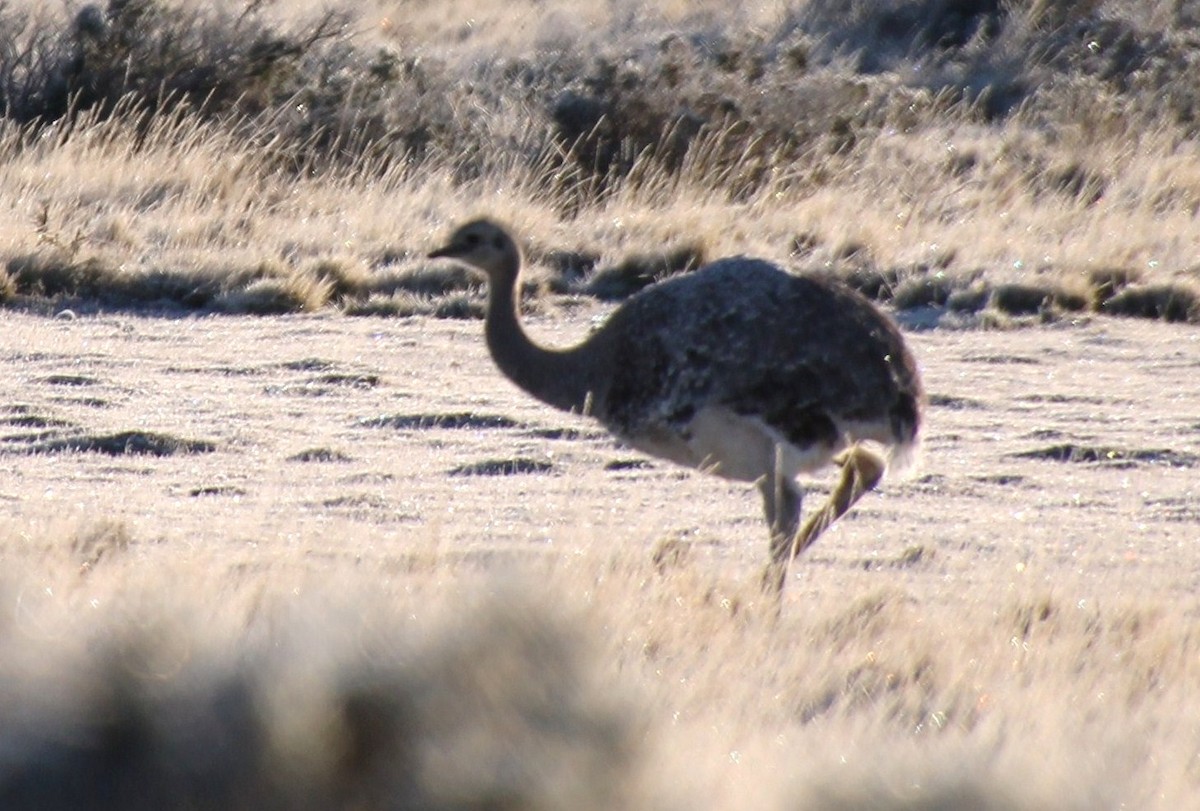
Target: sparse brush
{"type": "Point", "coordinates": [406, 304]}
{"type": "Point", "coordinates": [1168, 301]}
{"type": "Point", "coordinates": [501, 709]}
{"type": "Point", "coordinates": [100, 540]}
{"type": "Point", "coordinates": [1107, 282]}
{"type": "Point", "coordinates": [52, 274]}
{"type": "Point", "coordinates": [158, 53]}
{"type": "Point", "coordinates": [426, 279]}
{"type": "Point", "coordinates": [970, 299]}
{"type": "Point", "coordinates": [637, 272]}
{"type": "Point", "coordinates": [1020, 298]}
{"type": "Point", "coordinates": [275, 296]}
{"type": "Point", "coordinates": [924, 290]}
{"type": "Point", "coordinates": [811, 117]}
{"type": "Point", "coordinates": [346, 278]}
{"type": "Point", "coordinates": [875, 283]}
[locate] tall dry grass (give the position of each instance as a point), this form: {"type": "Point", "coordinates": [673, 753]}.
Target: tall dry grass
{"type": "Point", "coordinates": [1028, 160]}
{"type": "Point", "coordinates": [968, 148]}
{"type": "Point", "coordinates": [144, 678]}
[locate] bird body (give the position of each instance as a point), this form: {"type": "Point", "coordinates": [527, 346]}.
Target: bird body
{"type": "Point", "coordinates": [739, 369]}
{"type": "Point", "coordinates": [807, 362]}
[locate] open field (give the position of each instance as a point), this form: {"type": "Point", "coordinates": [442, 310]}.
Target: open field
{"type": "Point", "coordinates": [1023, 609]}
{"type": "Point", "coordinates": [278, 535]}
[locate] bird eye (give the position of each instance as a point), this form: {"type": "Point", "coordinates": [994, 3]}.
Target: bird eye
{"type": "Point", "coordinates": [472, 240]}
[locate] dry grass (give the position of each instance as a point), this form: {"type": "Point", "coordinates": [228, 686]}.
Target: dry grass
{"type": "Point", "coordinates": [320, 704]}
{"type": "Point", "coordinates": [792, 132]}
{"type": "Point", "coordinates": [617, 687]}
{"type": "Point", "coordinates": [385, 556]}
{"type": "Point", "coordinates": [286, 561]}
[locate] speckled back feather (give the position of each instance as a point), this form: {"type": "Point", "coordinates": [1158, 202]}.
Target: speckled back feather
{"type": "Point", "coordinates": [805, 354]}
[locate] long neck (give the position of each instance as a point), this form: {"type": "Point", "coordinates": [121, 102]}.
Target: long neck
{"type": "Point", "coordinates": [563, 379]}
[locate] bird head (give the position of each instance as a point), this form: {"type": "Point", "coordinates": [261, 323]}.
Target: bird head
{"type": "Point", "coordinates": [486, 245]}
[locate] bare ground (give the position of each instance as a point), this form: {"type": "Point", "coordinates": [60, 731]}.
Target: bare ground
{"type": "Point", "coordinates": [1072, 446]}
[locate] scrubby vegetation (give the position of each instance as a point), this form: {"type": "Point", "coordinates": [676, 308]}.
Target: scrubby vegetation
{"type": "Point", "coordinates": [231, 542]}
{"type": "Point", "coordinates": [965, 162]}
{"type": "Point", "coordinates": [983, 142]}
{"type": "Point", "coordinates": [438, 689]}
{"type": "Point", "coordinates": [307, 720]}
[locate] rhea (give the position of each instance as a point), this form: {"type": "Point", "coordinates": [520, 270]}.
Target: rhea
{"type": "Point", "coordinates": [739, 368]}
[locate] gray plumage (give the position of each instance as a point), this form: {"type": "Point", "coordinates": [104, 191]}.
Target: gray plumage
{"type": "Point", "coordinates": [738, 368]}
{"type": "Point", "coordinates": [804, 355]}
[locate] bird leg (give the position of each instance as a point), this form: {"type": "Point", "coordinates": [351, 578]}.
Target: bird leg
{"type": "Point", "coordinates": [781, 503]}
{"type": "Point", "coordinates": [861, 472]}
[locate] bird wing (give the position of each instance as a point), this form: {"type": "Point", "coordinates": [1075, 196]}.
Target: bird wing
{"type": "Point", "coordinates": [799, 353]}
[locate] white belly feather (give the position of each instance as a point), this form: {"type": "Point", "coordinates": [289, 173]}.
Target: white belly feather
{"type": "Point", "coordinates": [733, 446]}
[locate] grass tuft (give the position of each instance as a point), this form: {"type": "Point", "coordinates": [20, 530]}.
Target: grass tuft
{"type": "Point", "coordinates": [428, 280]}
{"type": "Point", "coordinates": [98, 541]}
{"type": "Point", "coordinates": [497, 710]}
{"type": "Point", "coordinates": [1107, 282]}
{"type": "Point", "coordinates": [568, 269]}
{"type": "Point", "coordinates": [123, 443]}
{"type": "Point", "coordinates": [346, 277]}
{"type": "Point", "coordinates": [970, 299]}
{"type": "Point", "coordinates": [454, 420]}
{"type": "Point", "coordinates": [53, 274]}
{"type": "Point", "coordinates": [925, 290]}
{"type": "Point", "coordinates": [503, 467]}
{"type": "Point", "coordinates": [398, 305]}
{"type": "Point", "coordinates": [462, 307]}
{"type": "Point", "coordinates": [8, 287]}
{"type": "Point", "coordinates": [275, 296]}
{"type": "Point", "coordinates": [642, 270]}
{"type": "Point", "coordinates": [1124, 457]}
{"type": "Point", "coordinates": [320, 455]}
{"type": "Point", "coordinates": [1020, 299]}
{"type": "Point", "coordinates": [1177, 301]}
{"type": "Point", "coordinates": [874, 283]}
